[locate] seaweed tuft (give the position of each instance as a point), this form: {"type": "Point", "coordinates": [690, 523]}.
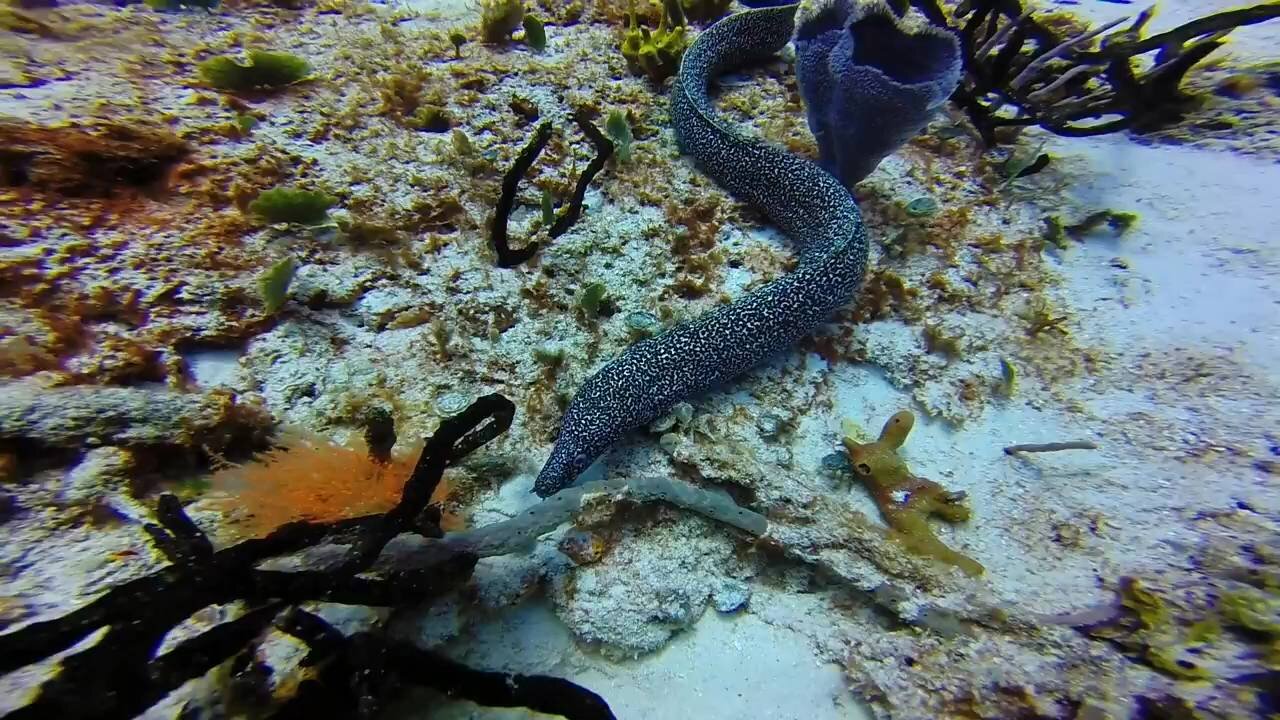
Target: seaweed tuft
{"type": "Point", "coordinates": [291, 205]}
{"type": "Point", "coordinates": [264, 70]}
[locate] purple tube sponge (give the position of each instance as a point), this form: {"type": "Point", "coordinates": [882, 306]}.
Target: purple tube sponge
{"type": "Point", "coordinates": [868, 82]}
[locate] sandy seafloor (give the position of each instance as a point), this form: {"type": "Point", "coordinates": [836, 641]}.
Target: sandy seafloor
{"type": "Point", "coordinates": [1169, 363]}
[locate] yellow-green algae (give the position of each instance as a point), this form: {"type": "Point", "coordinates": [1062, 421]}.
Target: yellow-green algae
{"type": "Point", "coordinates": [655, 54]}
{"type": "Point", "coordinates": [264, 69]}
{"type": "Point", "coordinates": [1188, 639]}
{"type": "Point", "coordinates": [292, 205]}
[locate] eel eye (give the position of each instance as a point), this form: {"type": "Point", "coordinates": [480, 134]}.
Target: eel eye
{"type": "Point", "coordinates": [864, 468]}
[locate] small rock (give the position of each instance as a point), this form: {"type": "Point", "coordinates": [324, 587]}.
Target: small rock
{"type": "Point", "coordinates": [103, 470]}
{"type": "Point", "coordinates": [669, 442]}
{"type": "Point", "coordinates": [643, 324]}
{"type": "Point", "coordinates": [663, 424]}
{"type": "Point", "coordinates": [681, 414]}
{"type": "Point", "coordinates": [769, 425]}
{"type": "Point", "coordinates": [451, 404]}
{"type": "Point", "coordinates": [922, 206]}
{"type": "Point", "coordinates": [582, 547]}
{"type": "Point", "coordinates": [837, 465]}
{"type": "Point", "coordinates": [731, 596]}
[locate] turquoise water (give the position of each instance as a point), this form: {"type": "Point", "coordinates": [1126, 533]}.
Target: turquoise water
{"type": "Point", "coordinates": [442, 359]}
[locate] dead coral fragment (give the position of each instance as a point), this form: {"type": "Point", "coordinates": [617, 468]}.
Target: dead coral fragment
{"type": "Point", "coordinates": [907, 501]}
{"type": "Point", "coordinates": [90, 160]}
{"type": "Point", "coordinates": [264, 70]}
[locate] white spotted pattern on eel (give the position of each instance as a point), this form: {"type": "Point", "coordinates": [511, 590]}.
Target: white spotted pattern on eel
{"type": "Point", "coordinates": [802, 199]}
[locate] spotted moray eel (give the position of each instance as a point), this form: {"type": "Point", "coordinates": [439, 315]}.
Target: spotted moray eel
{"type": "Point", "coordinates": [808, 204]}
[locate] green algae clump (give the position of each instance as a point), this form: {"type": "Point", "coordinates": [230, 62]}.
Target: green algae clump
{"type": "Point", "coordinates": [1008, 383]}
{"type": "Point", "coordinates": [1183, 634]}
{"type": "Point", "coordinates": [907, 501]}
{"type": "Point", "coordinates": [288, 205]}
{"type": "Point", "coordinates": [619, 131]}
{"type": "Point", "coordinates": [592, 299]}
{"type": "Point", "coordinates": [535, 35]}
{"type": "Point", "coordinates": [273, 284]}
{"type": "Point", "coordinates": [457, 39]}
{"type": "Point", "coordinates": [1147, 606]}
{"type": "Point", "coordinates": [547, 207]}
{"type": "Point", "coordinates": [265, 69]}
{"type": "Point", "coordinates": [1250, 609]}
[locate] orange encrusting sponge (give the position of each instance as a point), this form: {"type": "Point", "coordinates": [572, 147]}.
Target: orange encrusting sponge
{"type": "Point", "coordinates": [905, 500]}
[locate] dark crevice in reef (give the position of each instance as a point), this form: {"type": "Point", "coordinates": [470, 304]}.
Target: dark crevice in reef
{"type": "Point", "coordinates": [94, 160]}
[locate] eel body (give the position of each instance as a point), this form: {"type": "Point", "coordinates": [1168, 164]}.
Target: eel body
{"type": "Point", "coordinates": [808, 204]}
